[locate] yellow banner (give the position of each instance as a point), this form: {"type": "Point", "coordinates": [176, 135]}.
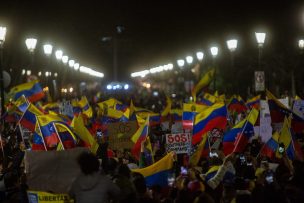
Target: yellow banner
{"type": "Point", "coordinates": [45, 197]}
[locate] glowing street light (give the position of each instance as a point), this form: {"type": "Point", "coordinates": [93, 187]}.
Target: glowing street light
{"type": "Point", "coordinates": [189, 59]}
{"type": "Point", "coordinates": [58, 54]}
{"type": "Point", "coordinates": [2, 39]}
{"type": "Point", "coordinates": [55, 75]}
{"type": "Point", "coordinates": [200, 55]}
{"type": "Point", "coordinates": [260, 37]}
{"type": "Point", "coordinates": [2, 35]}
{"type": "Point", "coordinates": [180, 63]}
{"type": "Point", "coordinates": [31, 44]}
{"type": "Point", "coordinates": [48, 49]}
{"type": "Point", "coordinates": [71, 63]}
{"type": "Point", "coordinates": [76, 66]}
{"type": "Point", "coordinates": [232, 44]}
{"type": "Point", "coordinates": [301, 44]}
{"type": "Point", "coordinates": [65, 59]}
{"type": "Point", "coordinates": [214, 51]}
{"type": "Point", "coordinates": [28, 72]}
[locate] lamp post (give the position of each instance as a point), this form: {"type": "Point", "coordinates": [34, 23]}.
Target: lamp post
{"type": "Point", "coordinates": [260, 37]}
{"type": "Point", "coordinates": [232, 45]}
{"type": "Point", "coordinates": [214, 53]}
{"type": "Point", "coordinates": [2, 39]}
{"type": "Point", "coordinates": [180, 63]}
{"type": "Point", "coordinates": [293, 82]}
{"type": "Point", "coordinates": [200, 56]}
{"type": "Point", "coordinates": [31, 45]}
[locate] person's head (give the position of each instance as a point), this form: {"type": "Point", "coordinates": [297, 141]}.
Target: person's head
{"type": "Point", "coordinates": [139, 183]}
{"type": "Point", "coordinates": [204, 198]}
{"type": "Point", "coordinates": [88, 163]}
{"type": "Point", "coordinates": [124, 170]}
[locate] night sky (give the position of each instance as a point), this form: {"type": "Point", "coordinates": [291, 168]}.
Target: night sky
{"type": "Point", "coordinates": [155, 32]}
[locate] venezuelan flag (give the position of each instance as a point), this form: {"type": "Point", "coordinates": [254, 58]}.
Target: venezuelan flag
{"type": "Point", "coordinates": [208, 99]}
{"type": "Point", "coordinates": [189, 112]}
{"type": "Point", "coordinates": [28, 119]}
{"type": "Point", "coordinates": [53, 106]}
{"type": "Point", "coordinates": [195, 157]}
{"type": "Point", "coordinates": [271, 146]}
{"type": "Point", "coordinates": [139, 136]}
{"type": "Point", "coordinates": [84, 134]}
{"type": "Point", "coordinates": [176, 115]}
{"type": "Point", "coordinates": [214, 116]}
{"type": "Point", "coordinates": [67, 137]}
{"type": "Point", "coordinates": [286, 139]}
{"type": "Point", "coordinates": [85, 106]}
{"type": "Point", "coordinates": [204, 82]}
{"type": "Point", "coordinates": [237, 138]}
{"type": "Point", "coordinates": [31, 90]}
{"type": "Point", "coordinates": [166, 112]}
{"type": "Point", "coordinates": [21, 104]}
{"type": "Point", "coordinates": [76, 107]}
{"type": "Point", "coordinates": [237, 104]}
{"type": "Point", "coordinates": [213, 170]}
{"type": "Point", "coordinates": [48, 129]}
{"type": "Point", "coordinates": [123, 108]}
{"type": "Point", "coordinates": [37, 143]}
{"type": "Point", "coordinates": [254, 102]}
{"type": "Point", "coordinates": [154, 118]}
{"type": "Point", "coordinates": [278, 112]}
{"type": "Point", "coordinates": [157, 173]}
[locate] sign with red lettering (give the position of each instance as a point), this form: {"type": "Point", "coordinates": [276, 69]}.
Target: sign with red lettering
{"type": "Point", "coordinates": [180, 143]}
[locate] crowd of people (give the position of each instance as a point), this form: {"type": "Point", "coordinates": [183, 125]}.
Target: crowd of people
{"type": "Point", "coordinates": [108, 176]}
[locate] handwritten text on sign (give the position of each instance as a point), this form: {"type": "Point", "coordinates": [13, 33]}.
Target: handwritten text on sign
{"type": "Point", "coordinates": [180, 143]}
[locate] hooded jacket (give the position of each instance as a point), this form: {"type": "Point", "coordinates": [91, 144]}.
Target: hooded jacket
{"type": "Point", "coordinates": [93, 188]}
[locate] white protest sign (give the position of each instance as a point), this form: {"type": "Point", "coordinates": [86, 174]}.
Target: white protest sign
{"type": "Point", "coordinates": [265, 129]}
{"type": "Point", "coordinates": [179, 143]}
{"type": "Point", "coordinates": [298, 107]}
{"type": "Point", "coordinates": [264, 112]}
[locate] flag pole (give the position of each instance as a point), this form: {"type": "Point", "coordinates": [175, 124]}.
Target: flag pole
{"type": "Point", "coordinates": [21, 132]}
{"type": "Point", "coordinates": [58, 136]}
{"type": "Point", "coordinates": [244, 127]}
{"type": "Point", "coordinates": [41, 134]}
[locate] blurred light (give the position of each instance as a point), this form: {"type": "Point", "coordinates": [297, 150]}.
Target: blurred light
{"type": "Point", "coordinates": [140, 73]}
{"type": "Point", "coordinates": [58, 54]}
{"type": "Point", "coordinates": [76, 66]}
{"type": "Point", "coordinates": [200, 55]}
{"type": "Point", "coordinates": [39, 73]}
{"type": "Point", "coordinates": [31, 44]}
{"type": "Point", "coordinates": [46, 89]}
{"type": "Point", "coordinates": [2, 34]}
{"type": "Point", "coordinates": [50, 73]}
{"type": "Point", "coordinates": [23, 72]}
{"type": "Point", "coordinates": [65, 59]}
{"type": "Point", "coordinates": [189, 59]}
{"type": "Point", "coordinates": [180, 62]}
{"type": "Point", "coordinates": [301, 44]}
{"type": "Point", "coordinates": [46, 74]}
{"type": "Point", "coordinates": [193, 70]}
{"type": "Point", "coordinates": [28, 72]}
{"type": "Point", "coordinates": [260, 37]}
{"type": "Point", "coordinates": [155, 93]}
{"type": "Point", "coordinates": [170, 66]}
{"type": "Point", "coordinates": [55, 75]}
{"type": "Point", "coordinates": [214, 51]}
{"type": "Point", "coordinates": [71, 89]}
{"type": "Point", "coordinates": [173, 95]}
{"type": "Point", "coordinates": [71, 63]}
{"type": "Point", "coordinates": [126, 86]}
{"type": "Point", "coordinates": [191, 98]}
{"type": "Point", "coordinates": [47, 48]}
{"type": "Point", "coordinates": [232, 44]}
{"type": "Point", "coordinates": [109, 87]}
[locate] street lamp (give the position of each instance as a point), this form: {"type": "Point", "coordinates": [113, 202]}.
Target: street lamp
{"type": "Point", "coordinates": [301, 44]}
{"type": "Point", "coordinates": [260, 37]}
{"type": "Point", "coordinates": [31, 45]}
{"type": "Point", "coordinates": [214, 53]}
{"type": "Point", "coordinates": [58, 54]}
{"type": "Point", "coordinates": [48, 49]}
{"type": "Point", "coordinates": [200, 55]}
{"type": "Point", "coordinates": [189, 59]}
{"type": "Point", "coordinates": [2, 39]}
{"type": "Point", "coordinates": [71, 63]}
{"type": "Point", "coordinates": [76, 66]}
{"type": "Point", "coordinates": [232, 45]}
{"type": "Point", "coordinates": [180, 63]}
{"type": "Point", "coordinates": [65, 59]}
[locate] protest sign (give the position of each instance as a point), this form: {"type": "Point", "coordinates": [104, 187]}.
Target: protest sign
{"type": "Point", "coordinates": [44, 197]}
{"type": "Point", "coordinates": [120, 134]}
{"type": "Point", "coordinates": [179, 143]}
{"type": "Point", "coordinates": [298, 107]}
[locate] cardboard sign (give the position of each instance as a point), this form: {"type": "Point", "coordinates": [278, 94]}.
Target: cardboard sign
{"type": "Point", "coordinates": [122, 129]}
{"type": "Point", "coordinates": [120, 134]}
{"type": "Point", "coordinates": [44, 197]}
{"type": "Point", "coordinates": [66, 108]}
{"type": "Point", "coordinates": [179, 143]}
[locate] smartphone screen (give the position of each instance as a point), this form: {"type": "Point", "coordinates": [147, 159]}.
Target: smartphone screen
{"type": "Point", "coordinates": [184, 170]}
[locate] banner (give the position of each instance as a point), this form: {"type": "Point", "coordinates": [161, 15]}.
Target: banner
{"type": "Point", "coordinates": [52, 170]}
{"type": "Point", "coordinates": [259, 81]}
{"type": "Point", "coordinates": [45, 197]}
{"type": "Point", "coordinates": [179, 143]}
